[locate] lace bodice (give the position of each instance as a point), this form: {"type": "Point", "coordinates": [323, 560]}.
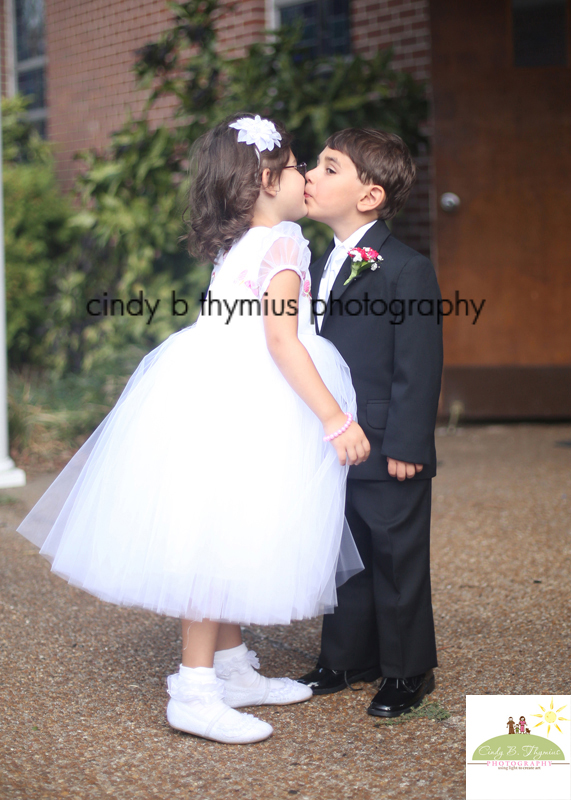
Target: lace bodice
{"type": "Point", "coordinates": [240, 280]}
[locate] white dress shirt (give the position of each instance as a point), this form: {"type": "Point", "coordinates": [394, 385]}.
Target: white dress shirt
{"type": "Point", "coordinates": [335, 262]}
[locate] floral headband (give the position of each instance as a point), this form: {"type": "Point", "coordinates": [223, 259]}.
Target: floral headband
{"type": "Point", "coordinates": [260, 132]}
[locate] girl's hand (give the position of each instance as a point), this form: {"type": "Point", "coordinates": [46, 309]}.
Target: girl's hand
{"type": "Point", "coordinates": [352, 446]}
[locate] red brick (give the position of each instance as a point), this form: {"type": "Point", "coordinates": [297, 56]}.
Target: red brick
{"type": "Point", "coordinates": [91, 53]}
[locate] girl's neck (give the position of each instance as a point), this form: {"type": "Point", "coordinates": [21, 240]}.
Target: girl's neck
{"type": "Point", "coordinates": [265, 219]}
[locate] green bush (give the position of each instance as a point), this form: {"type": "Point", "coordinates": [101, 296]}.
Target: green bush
{"type": "Point", "coordinates": [21, 143]}
{"type": "Point", "coordinates": [36, 232]}
{"type": "Point", "coordinates": [128, 226]}
{"type": "Point", "coordinates": [51, 415]}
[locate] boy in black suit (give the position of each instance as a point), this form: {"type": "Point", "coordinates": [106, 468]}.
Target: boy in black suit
{"type": "Point", "coordinates": [386, 325]}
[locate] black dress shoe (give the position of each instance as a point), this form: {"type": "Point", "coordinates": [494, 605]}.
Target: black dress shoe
{"type": "Point", "coordinates": [327, 681]}
{"type": "Point", "coordinates": [396, 696]}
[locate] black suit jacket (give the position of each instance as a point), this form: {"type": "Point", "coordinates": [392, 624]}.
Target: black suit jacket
{"type": "Point", "coordinates": [395, 359]}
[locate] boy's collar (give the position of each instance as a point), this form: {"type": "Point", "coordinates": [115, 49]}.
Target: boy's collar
{"type": "Point", "coordinates": [356, 236]}
{"type": "Point", "coordinates": [375, 237]}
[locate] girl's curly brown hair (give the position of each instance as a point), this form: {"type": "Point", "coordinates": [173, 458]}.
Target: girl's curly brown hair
{"type": "Point", "coordinates": [225, 180]}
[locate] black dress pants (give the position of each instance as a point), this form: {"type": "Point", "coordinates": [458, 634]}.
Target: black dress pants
{"type": "Point", "coordinates": [384, 613]}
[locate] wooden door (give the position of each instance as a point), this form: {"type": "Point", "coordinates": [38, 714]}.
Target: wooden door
{"type": "Point", "coordinates": [502, 144]}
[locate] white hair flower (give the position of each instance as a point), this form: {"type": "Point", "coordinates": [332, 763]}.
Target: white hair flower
{"type": "Point", "coordinates": [258, 131]}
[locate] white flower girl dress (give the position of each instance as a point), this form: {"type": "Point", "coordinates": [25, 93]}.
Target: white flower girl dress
{"type": "Point", "coordinates": [208, 491]}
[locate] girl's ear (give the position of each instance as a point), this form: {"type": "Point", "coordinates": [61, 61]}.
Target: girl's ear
{"type": "Point", "coordinates": [266, 185]}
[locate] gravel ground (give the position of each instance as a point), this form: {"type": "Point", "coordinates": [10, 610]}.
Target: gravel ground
{"type": "Point", "coordinates": [83, 682]}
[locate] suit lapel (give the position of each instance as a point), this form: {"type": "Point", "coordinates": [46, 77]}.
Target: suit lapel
{"type": "Point", "coordinates": [375, 237]}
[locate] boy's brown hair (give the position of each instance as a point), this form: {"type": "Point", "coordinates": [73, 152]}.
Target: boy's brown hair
{"type": "Point", "coordinates": [380, 158]}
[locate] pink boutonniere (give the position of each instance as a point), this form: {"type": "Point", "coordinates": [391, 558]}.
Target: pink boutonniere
{"type": "Point", "coordinates": [363, 258]}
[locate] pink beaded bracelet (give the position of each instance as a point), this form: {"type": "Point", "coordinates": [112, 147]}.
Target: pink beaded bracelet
{"type": "Point", "coordinates": [340, 431]}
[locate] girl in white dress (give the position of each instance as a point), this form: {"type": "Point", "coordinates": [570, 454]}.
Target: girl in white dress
{"type": "Point", "coordinates": [214, 490]}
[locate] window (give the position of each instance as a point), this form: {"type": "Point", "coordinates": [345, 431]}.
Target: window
{"type": "Point", "coordinates": [326, 25]}
{"type": "Point", "coordinates": [539, 33]}
{"type": "Point", "coordinates": [30, 59]}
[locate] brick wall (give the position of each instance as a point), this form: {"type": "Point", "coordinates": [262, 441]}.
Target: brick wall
{"type": "Point", "coordinates": [241, 27]}
{"type": "Point", "coordinates": [90, 49]}
{"type": "Point", "coordinates": [404, 25]}
{"type": "Point", "coordinates": [90, 83]}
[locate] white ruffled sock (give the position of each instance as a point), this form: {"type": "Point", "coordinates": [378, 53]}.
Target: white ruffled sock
{"type": "Point", "coordinates": [197, 674]}
{"type": "Point", "coordinates": [243, 674]}
{"type": "Point", "coordinates": [243, 686]}
{"type": "Point", "coordinates": [196, 684]}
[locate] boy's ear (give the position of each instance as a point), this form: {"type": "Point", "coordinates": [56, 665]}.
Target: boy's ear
{"type": "Point", "coordinates": [374, 197]}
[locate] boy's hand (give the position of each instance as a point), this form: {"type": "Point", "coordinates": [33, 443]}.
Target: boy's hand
{"type": "Point", "coordinates": [402, 469]}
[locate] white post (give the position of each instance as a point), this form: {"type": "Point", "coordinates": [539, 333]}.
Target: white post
{"type": "Point", "coordinates": [10, 475]}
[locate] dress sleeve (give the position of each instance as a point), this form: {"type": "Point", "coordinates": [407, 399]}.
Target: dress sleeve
{"type": "Point", "coordinates": [286, 251]}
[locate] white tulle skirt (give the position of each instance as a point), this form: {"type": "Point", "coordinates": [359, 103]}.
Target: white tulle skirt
{"type": "Point", "coordinates": [207, 492]}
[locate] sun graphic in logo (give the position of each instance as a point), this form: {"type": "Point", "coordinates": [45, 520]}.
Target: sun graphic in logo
{"type": "Point", "coordinates": [550, 717]}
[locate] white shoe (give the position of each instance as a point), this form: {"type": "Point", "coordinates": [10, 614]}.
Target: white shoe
{"type": "Point", "coordinates": [242, 689]}
{"type": "Point", "coordinates": [201, 710]}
